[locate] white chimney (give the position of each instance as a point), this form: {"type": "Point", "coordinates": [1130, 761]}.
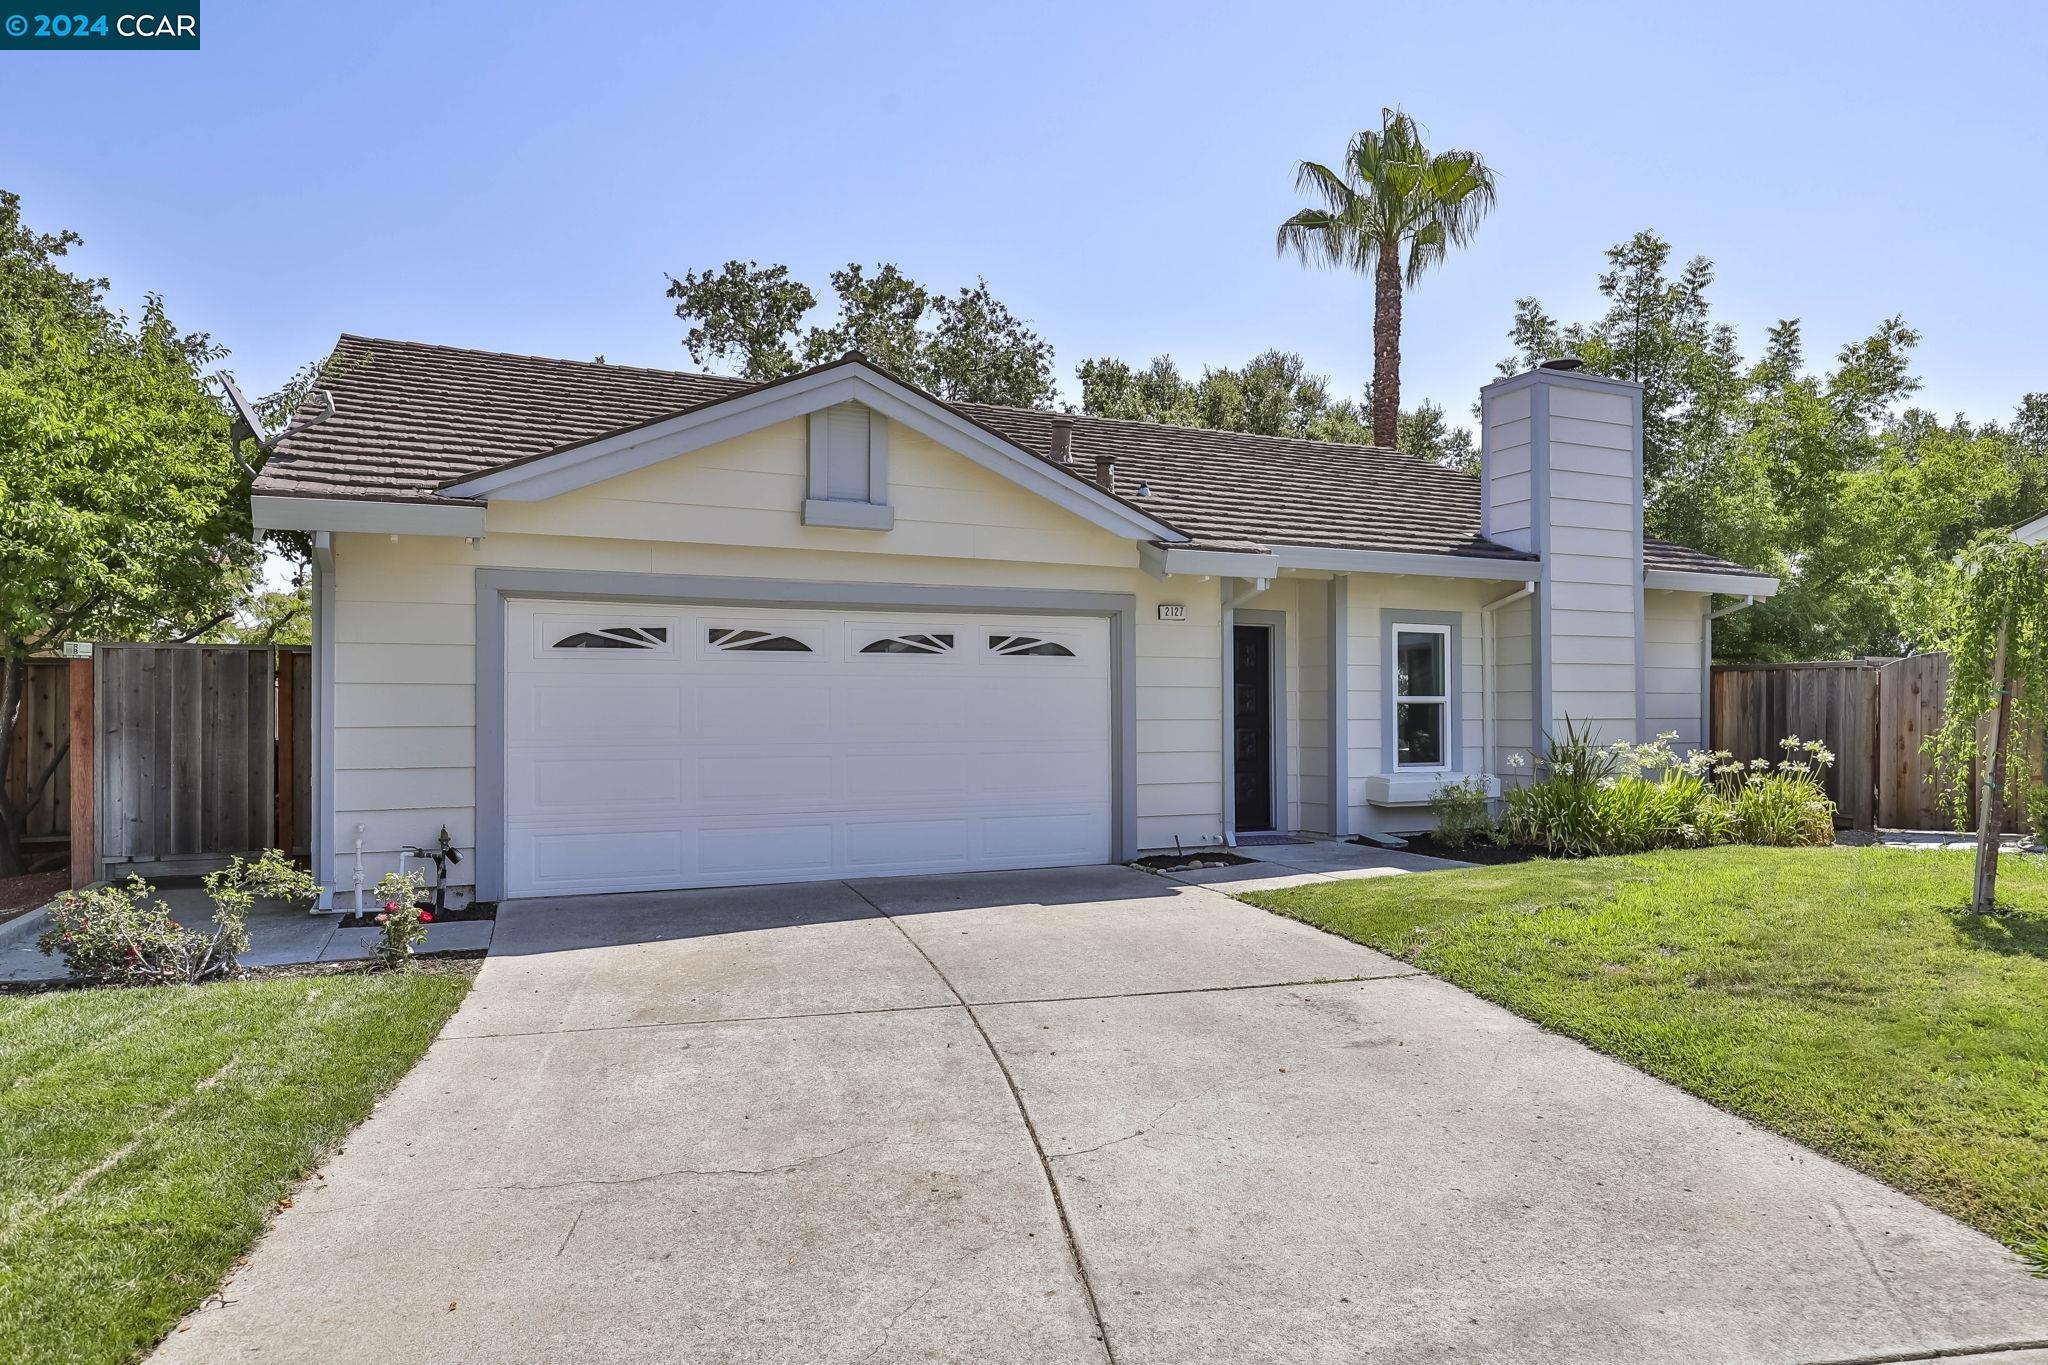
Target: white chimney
{"type": "Point", "coordinates": [1561, 468]}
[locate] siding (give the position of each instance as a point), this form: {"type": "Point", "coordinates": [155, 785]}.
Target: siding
{"type": "Point", "coordinates": [1514, 680]}
{"type": "Point", "coordinates": [1594, 570]}
{"type": "Point", "coordinates": [404, 614]}
{"type": "Point", "coordinates": [1311, 686]}
{"type": "Point", "coordinates": [1375, 600]}
{"type": "Point", "coordinates": [1674, 679]}
{"type": "Point", "coordinates": [1510, 494]}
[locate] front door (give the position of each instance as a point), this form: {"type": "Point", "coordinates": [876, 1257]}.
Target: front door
{"type": "Point", "coordinates": [1252, 681]}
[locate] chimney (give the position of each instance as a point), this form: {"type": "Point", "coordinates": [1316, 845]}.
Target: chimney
{"type": "Point", "coordinates": [1105, 473]}
{"type": "Point", "coordinates": [1062, 439]}
{"type": "Point", "coordinates": [1561, 476]}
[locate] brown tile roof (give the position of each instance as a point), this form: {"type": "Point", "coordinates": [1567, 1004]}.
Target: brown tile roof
{"type": "Point", "coordinates": [409, 417]}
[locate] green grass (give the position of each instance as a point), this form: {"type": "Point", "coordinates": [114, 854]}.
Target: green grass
{"type": "Point", "coordinates": [1843, 997]}
{"type": "Point", "coordinates": [145, 1136]}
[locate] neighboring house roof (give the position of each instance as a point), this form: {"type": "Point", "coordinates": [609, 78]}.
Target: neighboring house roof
{"type": "Point", "coordinates": [2034, 531]}
{"type": "Point", "coordinates": [409, 418]}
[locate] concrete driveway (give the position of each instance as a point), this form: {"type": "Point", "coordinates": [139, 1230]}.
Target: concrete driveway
{"type": "Point", "coordinates": [1078, 1115]}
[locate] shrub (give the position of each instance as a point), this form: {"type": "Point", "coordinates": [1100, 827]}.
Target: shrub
{"type": "Point", "coordinates": [126, 935]}
{"type": "Point", "coordinates": [1785, 810]}
{"type": "Point", "coordinates": [400, 916]}
{"type": "Point", "coordinates": [1632, 798]}
{"type": "Point", "coordinates": [1463, 812]}
{"type": "Point", "coordinates": [235, 889]}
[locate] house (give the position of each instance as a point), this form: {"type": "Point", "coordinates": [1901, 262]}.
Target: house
{"type": "Point", "coordinates": [622, 628]}
{"type": "Point", "coordinates": [2034, 532]}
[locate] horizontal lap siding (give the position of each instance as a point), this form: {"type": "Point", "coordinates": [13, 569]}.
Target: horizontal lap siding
{"type": "Point", "coordinates": [1373, 600]}
{"type": "Point", "coordinates": [1511, 492]}
{"type": "Point", "coordinates": [404, 613]}
{"type": "Point", "coordinates": [1594, 566]}
{"type": "Point", "coordinates": [1674, 679]}
{"type": "Point", "coordinates": [1514, 681]}
{"type": "Point", "coordinates": [1311, 630]}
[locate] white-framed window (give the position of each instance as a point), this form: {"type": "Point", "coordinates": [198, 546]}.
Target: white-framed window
{"type": "Point", "coordinates": [1422, 660]}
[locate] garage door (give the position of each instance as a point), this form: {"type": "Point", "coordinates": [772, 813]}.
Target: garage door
{"type": "Point", "coordinates": [675, 746]}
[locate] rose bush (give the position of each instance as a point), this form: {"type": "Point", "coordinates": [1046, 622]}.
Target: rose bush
{"type": "Point", "coordinates": [401, 917]}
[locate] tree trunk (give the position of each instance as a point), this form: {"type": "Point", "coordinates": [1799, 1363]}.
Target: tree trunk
{"type": "Point", "coordinates": [13, 678]}
{"type": "Point", "coordinates": [1386, 346]}
{"type": "Point", "coordinates": [1990, 812]}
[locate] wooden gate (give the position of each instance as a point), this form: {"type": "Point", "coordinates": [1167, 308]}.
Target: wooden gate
{"type": "Point", "coordinates": [190, 743]}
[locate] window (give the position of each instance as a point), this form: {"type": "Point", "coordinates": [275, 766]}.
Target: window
{"type": "Point", "coordinates": [615, 637]}
{"type": "Point", "coordinates": [1011, 646]}
{"type": "Point", "coordinates": [757, 641]}
{"type": "Point", "coordinates": [1422, 702]}
{"type": "Point", "coordinates": [910, 644]}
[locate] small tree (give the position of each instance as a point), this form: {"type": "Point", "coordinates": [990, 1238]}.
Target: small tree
{"type": "Point", "coordinates": [122, 512]}
{"type": "Point", "coordinates": [1993, 613]}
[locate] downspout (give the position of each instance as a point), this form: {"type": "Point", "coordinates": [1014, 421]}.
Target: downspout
{"type": "Point", "coordinates": [1707, 662]}
{"type": "Point", "coordinates": [1232, 600]}
{"type": "Point", "coordinates": [1490, 675]}
{"type": "Point", "coordinates": [321, 842]}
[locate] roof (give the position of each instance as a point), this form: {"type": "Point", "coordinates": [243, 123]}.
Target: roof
{"type": "Point", "coordinates": [409, 418]}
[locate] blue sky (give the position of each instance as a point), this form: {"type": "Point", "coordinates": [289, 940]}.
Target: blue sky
{"type": "Point", "coordinates": [519, 177]}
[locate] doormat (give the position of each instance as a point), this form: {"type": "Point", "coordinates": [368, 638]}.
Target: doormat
{"type": "Point", "coordinates": [1267, 840]}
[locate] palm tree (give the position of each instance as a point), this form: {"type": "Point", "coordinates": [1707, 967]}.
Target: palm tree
{"type": "Point", "coordinates": [1392, 190]}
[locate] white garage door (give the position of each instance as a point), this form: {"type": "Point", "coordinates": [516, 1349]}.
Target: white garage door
{"type": "Point", "coordinates": [673, 746]}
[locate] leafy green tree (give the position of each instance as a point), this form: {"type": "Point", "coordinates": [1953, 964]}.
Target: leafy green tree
{"type": "Point", "coordinates": [1825, 478]}
{"type": "Point", "coordinates": [881, 318]}
{"type": "Point", "coordinates": [967, 347]}
{"type": "Point", "coordinates": [1394, 208]}
{"type": "Point", "coordinates": [1426, 431]}
{"type": "Point", "coordinates": [1991, 606]}
{"type": "Point", "coordinates": [269, 616]}
{"type": "Point", "coordinates": [981, 352]}
{"type": "Point", "coordinates": [1272, 394]}
{"type": "Point", "coordinates": [122, 512]}
{"type": "Point", "coordinates": [745, 308]}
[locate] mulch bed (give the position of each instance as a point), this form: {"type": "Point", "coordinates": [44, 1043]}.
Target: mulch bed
{"type": "Point", "coordinates": [19, 895]}
{"type": "Point", "coordinates": [475, 910]}
{"type": "Point", "coordinates": [1189, 862]}
{"type": "Point", "coordinates": [1478, 851]}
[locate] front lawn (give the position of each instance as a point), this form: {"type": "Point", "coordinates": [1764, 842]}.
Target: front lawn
{"type": "Point", "coordinates": [145, 1135]}
{"type": "Point", "coordinates": [1844, 997]}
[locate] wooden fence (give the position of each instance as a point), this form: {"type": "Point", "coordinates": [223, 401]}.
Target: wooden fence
{"type": "Point", "coordinates": [1835, 703]}
{"type": "Point", "coordinates": [190, 744]}
{"type": "Point", "coordinates": [1874, 714]}
{"type": "Point", "coordinates": [42, 732]}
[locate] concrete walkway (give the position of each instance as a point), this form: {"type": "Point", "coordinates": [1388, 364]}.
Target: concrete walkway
{"type": "Point", "coordinates": [1310, 858]}
{"type": "Point", "coordinates": [1083, 1115]}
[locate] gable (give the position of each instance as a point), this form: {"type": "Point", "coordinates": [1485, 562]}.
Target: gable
{"type": "Point", "coordinates": [753, 490]}
{"type": "Point", "coordinates": [804, 395]}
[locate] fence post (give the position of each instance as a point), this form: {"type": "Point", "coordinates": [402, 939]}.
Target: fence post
{"type": "Point", "coordinates": [84, 770]}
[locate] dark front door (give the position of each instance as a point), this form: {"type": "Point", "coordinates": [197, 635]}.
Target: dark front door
{"type": "Point", "coordinates": [1252, 681]}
